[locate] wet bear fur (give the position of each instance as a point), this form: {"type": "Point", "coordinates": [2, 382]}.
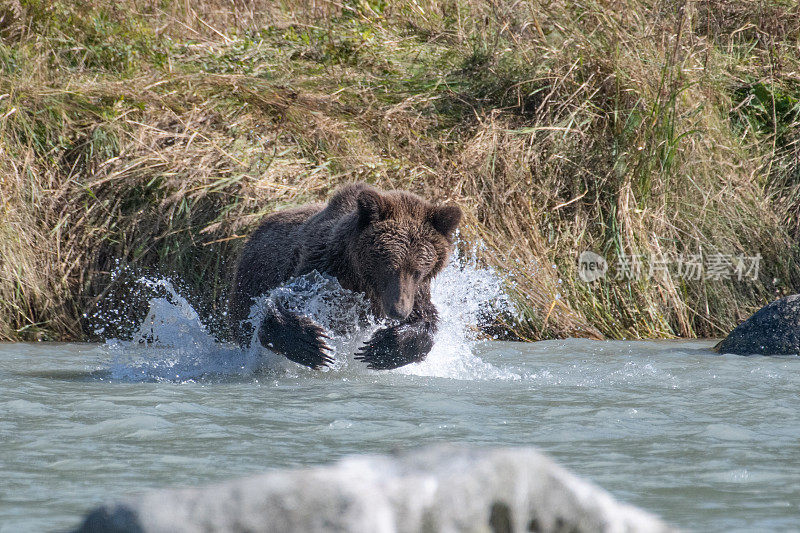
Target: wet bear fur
{"type": "Point", "coordinates": [387, 245]}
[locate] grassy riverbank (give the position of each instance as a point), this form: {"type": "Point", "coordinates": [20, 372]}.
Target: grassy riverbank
{"type": "Point", "coordinates": [155, 134]}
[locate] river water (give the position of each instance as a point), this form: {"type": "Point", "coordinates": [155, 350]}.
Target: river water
{"type": "Point", "coordinates": [709, 442]}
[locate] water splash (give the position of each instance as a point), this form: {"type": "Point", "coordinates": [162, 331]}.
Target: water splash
{"type": "Point", "coordinates": [172, 344]}
{"type": "Point", "coordinates": [465, 294]}
{"type": "Point", "coordinates": [343, 314]}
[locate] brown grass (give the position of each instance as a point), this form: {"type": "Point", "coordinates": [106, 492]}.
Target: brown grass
{"type": "Point", "coordinates": [155, 138]}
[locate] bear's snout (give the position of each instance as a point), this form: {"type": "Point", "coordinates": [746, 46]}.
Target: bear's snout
{"type": "Point", "coordinates": [399, 312]}
{"type": "Point", "coordinates": [398, 300]}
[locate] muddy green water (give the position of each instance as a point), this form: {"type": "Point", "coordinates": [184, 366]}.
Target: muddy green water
{"type": "Point", "coordinates": [709, 442]}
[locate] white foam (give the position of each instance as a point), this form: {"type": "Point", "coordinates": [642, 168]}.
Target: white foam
{"type": "Point", "coordinates": [172, 344]}
{"type": "Point", "coordinates": [464, 293]}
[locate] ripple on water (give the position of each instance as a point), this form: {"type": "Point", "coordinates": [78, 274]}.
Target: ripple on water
{"type": "Point", "coordinates": [129, 427]}
{"type": "Point", "coordinates": [24, 408]}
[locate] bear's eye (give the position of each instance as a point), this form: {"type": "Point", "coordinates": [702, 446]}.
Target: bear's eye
{"type": "Point", "coordinates": [417, 275]}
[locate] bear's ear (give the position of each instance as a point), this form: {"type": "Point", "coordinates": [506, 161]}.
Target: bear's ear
{"type": "Point", "coordinates": [371, 207]}
{"type": "Point", "coordinates": [445, 219]}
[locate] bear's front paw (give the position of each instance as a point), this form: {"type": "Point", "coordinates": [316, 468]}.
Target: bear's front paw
{"type": "Point", "coordinates": [298, 338]}
{"type": "Point", "coordinates": [396, 346]}
{"type": "Point", "coordinates": [310, 348]}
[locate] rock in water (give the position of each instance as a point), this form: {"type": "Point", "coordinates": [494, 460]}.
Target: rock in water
{"type": "Point", "coordinates": [772, 330]}
{"type": "Point", "coordinates": [438, 489]}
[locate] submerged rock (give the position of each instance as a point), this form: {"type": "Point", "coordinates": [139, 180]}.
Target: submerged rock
{"type": "Point", "coordinates": [438, 489]}
{"type": "Point", "coordinates": [772, 330]}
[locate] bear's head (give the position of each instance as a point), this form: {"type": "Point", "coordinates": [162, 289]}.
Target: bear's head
{"type": "Point", "coordinates": [403, 242]}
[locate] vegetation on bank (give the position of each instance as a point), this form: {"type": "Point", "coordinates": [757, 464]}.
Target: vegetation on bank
{"type": "Point", "coordinates": [153, 135]}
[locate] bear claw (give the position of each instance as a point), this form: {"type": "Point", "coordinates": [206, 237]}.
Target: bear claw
{"type": "Point", "coordinates": [395, 347]}
{"type": "Point", "coordinates": [297, 337]}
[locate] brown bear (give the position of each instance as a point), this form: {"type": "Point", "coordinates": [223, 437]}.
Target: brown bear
{"type": "Point", "coordinates": [387, 245]}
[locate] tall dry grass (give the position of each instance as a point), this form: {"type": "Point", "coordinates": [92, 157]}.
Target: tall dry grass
{"type": "Point", "coordinates": [154, 135]}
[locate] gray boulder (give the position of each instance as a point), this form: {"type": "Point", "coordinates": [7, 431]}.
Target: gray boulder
{"type": "Point", "coordinates": [772, 330]}
{"type": "Point", "coordinates": [438, 489]}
